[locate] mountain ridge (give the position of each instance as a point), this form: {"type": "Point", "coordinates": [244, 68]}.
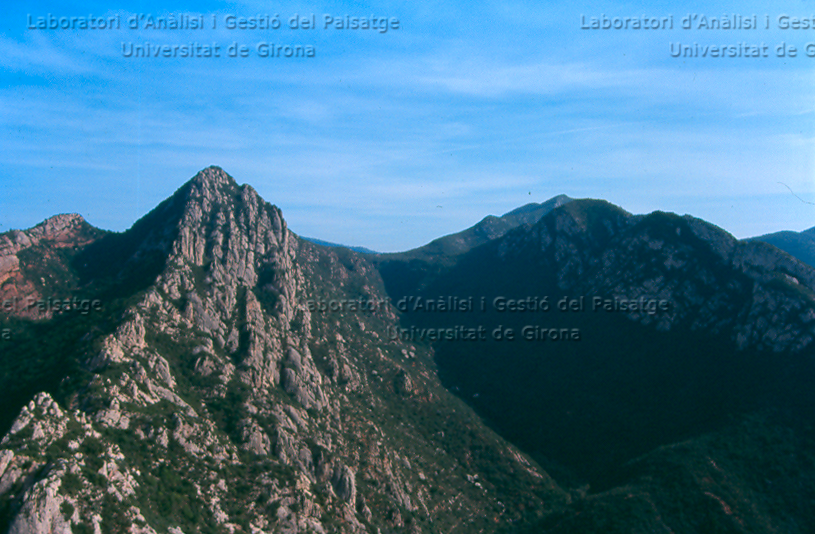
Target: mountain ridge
{"type": "Point", "coordinates": [215, 370]}
{"type": "Point", "coordinates": [488, 228]}
{"type": "Point", "coordinates": [735, 338]}
{"type": "Point", "coordinates": [798, 244]}
{"type": "Point", "coordinates": [236, 377]}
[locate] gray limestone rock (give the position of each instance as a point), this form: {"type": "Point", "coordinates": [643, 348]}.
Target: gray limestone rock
{"type": "Point", "coordinates": [344, 484]}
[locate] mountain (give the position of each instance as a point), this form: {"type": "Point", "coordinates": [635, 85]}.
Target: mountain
{"type": "Point", "coordinates": [30, 262]}
{"type": "Point", "coordinates": [798, 244]}
{"type": "Point", "coordinates": [655, 363]}
{"type": "Point", "coordinates": [489, 228]}
{"type": "Point", "coordinates": [361, 250]}
{"type": "Point", "coordinates": [568, 367]}
{"type": "Point", "coordinates": [417, 267]}
{"type": "Point", "coordinates": [228, 376]}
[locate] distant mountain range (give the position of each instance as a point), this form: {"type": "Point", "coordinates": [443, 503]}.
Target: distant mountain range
{"type": "Point", "coordinates": [489, 228]}
{"type": "Point", "coordinates": [361, 250]}
{"type": "Point", "coordinates": [567, 367]}
{"type": "Point", "coordinates": [798, 244]}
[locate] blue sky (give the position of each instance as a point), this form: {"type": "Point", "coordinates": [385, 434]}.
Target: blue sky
{"type": "Point", "coordinates": [389, 140]}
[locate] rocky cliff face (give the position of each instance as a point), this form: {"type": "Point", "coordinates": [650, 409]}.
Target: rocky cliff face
{"type": "Point", "coordinates": [252, 386]}
{"type": "Point", "coordinates": [236, 378]}
{"type": "Point", "coordinates": [761, 297]}
{"type": "Point", "coordinates": [48, 245]}
{"type": "Point", "coordinates": [60, 231]}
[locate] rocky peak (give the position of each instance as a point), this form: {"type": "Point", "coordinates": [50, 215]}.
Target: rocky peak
{"type": "Point", "coordinates": [244, 384]}
{"type": "Point", "coordinates": [57, 232]}
{"type": "Point", "coordinates": [213, 177]}
{"type": "Point", "coordinates": [59, 228]}
{"type": "Point", "coordinates": [58, 225]}
{"type": "Point", "coordinates": [211, 186]}
{"type": "Point", "coordinates": [221, 220]}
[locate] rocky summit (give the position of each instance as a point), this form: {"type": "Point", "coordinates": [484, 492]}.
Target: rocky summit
{"type": "Point", "coordinates": [209, 371]}
{"type": "Point", "coordinates": [206, 396]}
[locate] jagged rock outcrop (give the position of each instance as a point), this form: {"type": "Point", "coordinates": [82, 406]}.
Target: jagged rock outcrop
{"type": "Point", "coordinates": [48, 489]}
{"type": "Point", "coordinates": [59, 231]}
{"type": "Point", "coordinates": [344, 485]}
{"type": "Point", "coordinates": [240, 379]}
{"type": "Point", "coordinates": [22, 291]}
{"type": "Point", "coordinates": [222, 398]}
